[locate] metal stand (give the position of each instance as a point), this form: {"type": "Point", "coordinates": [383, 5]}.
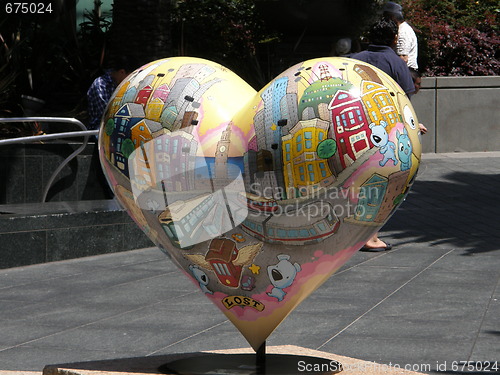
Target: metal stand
{"type": "Point", "coordinates": [260, 359]}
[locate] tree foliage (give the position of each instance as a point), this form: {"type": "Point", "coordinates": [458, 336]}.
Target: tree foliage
{"type": "Point", "coordinates": [327, 148]}
{"type": "Point", "coordinates": [225, 31]}
{"type": "Point", "coordinates": [456, 37]}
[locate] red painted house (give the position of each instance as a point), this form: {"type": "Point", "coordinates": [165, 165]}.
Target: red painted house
{"type": "Point", "coordinates": [143, 95]}
{"type": "Point", "coordinates": [350, 126]}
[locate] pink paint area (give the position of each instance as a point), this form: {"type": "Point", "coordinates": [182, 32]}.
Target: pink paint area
{"type": "Point", "coordinates": [321, 268]}
{"type": "Point", "coordinates": [319, 70]}
{"type": "Point", "coordinates": [212, 133]}
{"type": "Point", "coordinates": [243, 137]}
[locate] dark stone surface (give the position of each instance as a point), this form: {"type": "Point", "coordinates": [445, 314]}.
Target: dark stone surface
{"type": "Point", "coordinates": [25, 170]}
{"type": "Point", "coordinates": [54, 231]}
{"type": "Point", "coordinates": [22, 248]}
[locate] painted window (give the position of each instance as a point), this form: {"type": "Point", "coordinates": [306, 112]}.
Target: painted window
{"type": "Point", "coordinates": [358, 112]}
{"type": "Point", "coordinates": [322, 168]}
{"type": "Point", "coordinates": [344, 121]}
{"type": "Point", "coordinates": [282, 233]}
{"type": "Point", "coordinates": [351, 118]}
{"type": "Point", "coordinates": [304, 233]}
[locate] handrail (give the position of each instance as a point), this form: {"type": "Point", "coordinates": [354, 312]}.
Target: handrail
{"type": "Point", "coordinates": [84, 132]}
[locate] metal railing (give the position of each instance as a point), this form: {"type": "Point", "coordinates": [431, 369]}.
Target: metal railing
{"type": "Point", "coordinates": [45, 137]}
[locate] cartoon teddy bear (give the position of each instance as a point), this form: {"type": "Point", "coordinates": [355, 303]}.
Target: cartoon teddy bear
{"type": "Point", "coordinates": [380, 139]}
{"type": "Point", "coordinates": [282, 276]}
{"type": "Point", "coordinates": [201, 277]}
{"type": "Point", "coordinates": [405, 149]}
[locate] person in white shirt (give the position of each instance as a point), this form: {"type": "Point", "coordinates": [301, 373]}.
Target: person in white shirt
{"type": "Point", "coordinates": [407, 45]}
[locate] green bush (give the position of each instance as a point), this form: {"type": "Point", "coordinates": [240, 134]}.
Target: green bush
{"type": "Point", "coordinates": [456, 37]}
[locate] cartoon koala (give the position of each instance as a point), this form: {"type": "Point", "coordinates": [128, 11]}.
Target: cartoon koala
{"type": "Point", "coordinates": [282, 275]}
{"type": "Point", "coordinates": [405, 149]}
{"type": "Point", "coordinates": [201, 277]}
{"type": "Point", "coordinates": [380, 139]}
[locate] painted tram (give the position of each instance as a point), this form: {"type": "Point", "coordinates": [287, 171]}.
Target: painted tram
{"type": "Point", "coordinates": [309, 224]}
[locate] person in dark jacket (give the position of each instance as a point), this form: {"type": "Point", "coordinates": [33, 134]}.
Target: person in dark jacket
{"type": "Point", "coordinates": [380, 53]}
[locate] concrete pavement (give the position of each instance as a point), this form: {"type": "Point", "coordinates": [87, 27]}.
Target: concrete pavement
{"type": "Point", "coordinates": [427, 305]}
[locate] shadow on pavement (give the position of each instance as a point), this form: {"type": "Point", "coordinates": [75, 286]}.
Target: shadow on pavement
{"type": "Point", "coordinates": [461, 210]}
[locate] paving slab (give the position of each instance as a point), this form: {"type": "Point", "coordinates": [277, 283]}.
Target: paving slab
{"type": "Point", "coordinates": [430, 303]}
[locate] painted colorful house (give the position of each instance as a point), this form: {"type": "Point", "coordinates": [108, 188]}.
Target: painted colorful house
{"type": "Point", "coordinates": [154, 108]}
{"type": "Point", "coordinates": [161, 92]}
{"type": "Point", "coordinates": [397, 183]}
{"type": "Point", "coordinates": [371, 198]}
{"type": "Point", "coordinates": [174, 165]}
{"type": "Point", "coordinates": [125, 118]}
{"type": "Point", "coordinates": [143, 95]}
{"type": "Point", "coordinates": [116, 103]}
{"type": "Point", "coordinates": [350, 126]}
{"type": "Point", "coordinates": [320, 92]}
{"type": "Point", "coordinates": [379, 104]}
{"type": "Point", "coordinates": [303, 169]}
{"type": "Point", "coordinates": [168, 116]}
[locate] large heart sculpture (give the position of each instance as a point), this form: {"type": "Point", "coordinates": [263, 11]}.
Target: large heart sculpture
{"type": "Point", "coordinates": [259, 197]}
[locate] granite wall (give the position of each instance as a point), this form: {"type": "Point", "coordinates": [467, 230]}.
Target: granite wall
{"type": "Point", "coordinates": [26, 168]}
{"type": "Point", "coordinates": [461, 113]}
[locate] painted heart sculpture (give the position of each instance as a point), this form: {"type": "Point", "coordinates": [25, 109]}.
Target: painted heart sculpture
{"type": "Point", "coordinates": [259, 197]}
